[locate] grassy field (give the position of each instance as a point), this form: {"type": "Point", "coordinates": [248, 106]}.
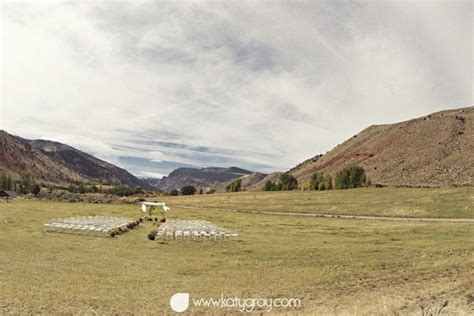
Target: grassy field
{"type": "Point", "coordinates": [437, 203]}
{"type": "Point", "coordinates": [335, 266]}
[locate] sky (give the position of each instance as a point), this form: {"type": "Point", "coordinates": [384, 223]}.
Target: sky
{"type": "Point", "coordinates": [152, 85]}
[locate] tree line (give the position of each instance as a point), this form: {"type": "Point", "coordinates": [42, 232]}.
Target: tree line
{"type": "Point", "coordinates": [120, 190]}
{"type": "Point", "coordinates": [350, 177]}
{"type": "Point", "coordinates": [189, 190]}
{"type": "Point", "coordinates": [25, 184]}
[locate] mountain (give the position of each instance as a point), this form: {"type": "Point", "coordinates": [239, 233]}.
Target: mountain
{"type": "Point", "coordinates": [56, 163]}
{"type": "Point", "coordinates": [85, 164]}
{"type": "Point", "coordinates": [151, 183]}
{"type": "Point", "coordinates": [205, 178]}
{"type": "Point", "coordinates": [433, 150]}
{"type": "Point", "coordinates": [17, 157]}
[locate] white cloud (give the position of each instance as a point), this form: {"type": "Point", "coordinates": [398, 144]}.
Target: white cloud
{"type": "Point", "coordinates": [262, 85]}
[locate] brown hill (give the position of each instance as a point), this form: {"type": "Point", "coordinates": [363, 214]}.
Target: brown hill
{"type": "Point", "coordinates": [55, 163]}
{"type": "Point", "coordinates": [17, 157]}
{"type": "Point", "coordinates": [434, 150]}
{"type": "Point", "coordinates": [92, 168]}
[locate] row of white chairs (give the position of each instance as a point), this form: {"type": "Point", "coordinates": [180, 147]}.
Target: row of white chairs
{"type": "Point", "coordinates": [93, 220]}
{"type": "Point", "coordinates": [77, 229]}
{"type": "Point", "coordinates": [193, 234]}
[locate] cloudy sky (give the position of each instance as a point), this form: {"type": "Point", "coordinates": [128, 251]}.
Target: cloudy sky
{"type": "Point", "coordinates": [154, 85]}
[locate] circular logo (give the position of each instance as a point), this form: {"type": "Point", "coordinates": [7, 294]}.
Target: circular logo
{"type": "Point", "coordinates": [179, 302]}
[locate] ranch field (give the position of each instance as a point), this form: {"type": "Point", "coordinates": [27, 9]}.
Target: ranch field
{"type": "Point", "coordinates": [334, 265]}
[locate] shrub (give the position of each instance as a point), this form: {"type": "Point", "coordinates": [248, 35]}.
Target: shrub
{"type": "Point", "coordinates": [81, 189]}
{"type": "Point", "coordinates": [116, 231]}
{"type": "Point", "coordinates": [351, 177]}
{"type": "Point", "coordinates": [234, 186]}
{"type": "Point", "coordinates": [188, 190]}
{"type": "Point", "coordinates": [35, 189]}
{"type": "Point", "coordinates": [211, 191]}
{"type": "Point", "coordinates": [152, 235]}
{"type": "Point", "coordinates": [71, 189]}
{"type": "Point", "coordinates": [174, 192]}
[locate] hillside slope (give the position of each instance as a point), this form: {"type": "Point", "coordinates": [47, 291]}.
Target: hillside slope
{"type": "Point", "coordinates": [17, 157]}
{"type": "Point", "coordinates": [85, 164]}
{"type": "Point", "coordinates": [205, 178]}
{"type": "Point", "coordinates": [248, 182]}
{"type": "Point", "coordinates": [55, 163]}
{"type": "Point", "coordinates": [434, 150]}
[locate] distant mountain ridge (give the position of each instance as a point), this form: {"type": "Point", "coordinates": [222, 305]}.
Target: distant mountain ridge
{"type": "Point", "coordinates": [52, 162]}
{"type": "Point", "coordinates": [205, 178]}
{"type": "Point", "coordinates": [433, 150]}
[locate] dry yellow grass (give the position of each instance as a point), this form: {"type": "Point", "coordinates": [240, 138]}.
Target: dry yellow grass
{"type": "Point", "coordinates": [396, 202]}
{"type": "Point", "coordinates": [336, 266]}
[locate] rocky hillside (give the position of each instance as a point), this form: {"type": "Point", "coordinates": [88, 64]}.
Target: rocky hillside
{"type": "Point", "coordinates": [85, 164]}
{"type": "Point", "coordinates": [205, 178]}
{"type": "Point", "coordinates": [434, 150]}
{"type": "Point", "coordinates": [55, 163]}
{"type": "Point", "coordinates": [17, 157]}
